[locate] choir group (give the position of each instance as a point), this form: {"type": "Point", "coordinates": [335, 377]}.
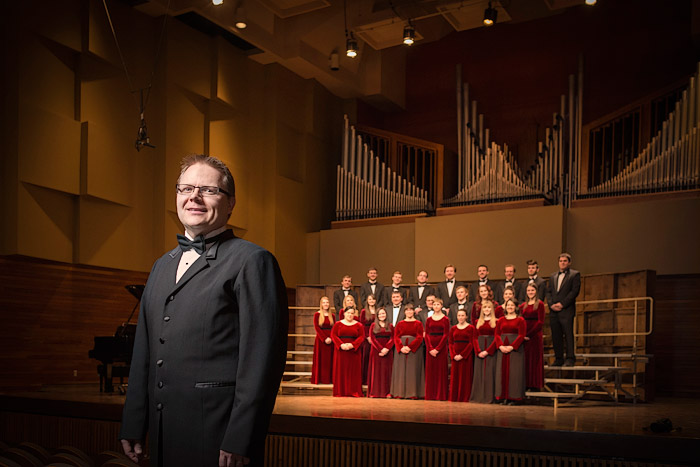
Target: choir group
{"type": "Point", "coordinates": [481, 343]}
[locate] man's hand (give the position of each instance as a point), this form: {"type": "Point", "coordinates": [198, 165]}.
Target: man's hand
{"type": "Point", "coordinates": [556, 307]}
{"type": "Point", "coordinates": [229, 459]}
{"type": "Point", "coordinates": [132, 448]}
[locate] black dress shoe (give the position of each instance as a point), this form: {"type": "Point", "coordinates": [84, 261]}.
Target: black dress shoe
{"type": "Point", "coordinates": [558, 362]}
{"type": "Point", "coordinates": [569, 363]}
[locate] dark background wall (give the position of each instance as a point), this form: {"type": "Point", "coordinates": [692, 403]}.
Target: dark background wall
{"type": "Point", "coordinates": [517, 72]}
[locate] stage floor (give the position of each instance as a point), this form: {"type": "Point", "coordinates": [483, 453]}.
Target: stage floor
{"type": "Point", "coordinates": [615, 430]}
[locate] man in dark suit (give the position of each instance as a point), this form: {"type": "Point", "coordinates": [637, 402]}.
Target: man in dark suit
{"type": "Point", "coordinates": [562, 291]}
{"type": "Point", "coordinates": [533, 271]}
{"type": "Point", "coordinates": [395, 311]}
{"type": "Point", "coordinates": [373, 287]}
{"type": "Point", "coordinates": [211, 338]}
{"type": "Point", "coordinates": [418, 293]}
{"type": "Point", "coordinates": [483, 279]}
{"type": "Point", "coordinates": [395, 286]}
{"type": "Point", "coordinates": [446, 289]}
{"type": "Point", "coordinates": [509, 281]}
{"type": "Point", "coordinates": [340, 294]}
{"type": "Point", "coordinates": [460, 304]}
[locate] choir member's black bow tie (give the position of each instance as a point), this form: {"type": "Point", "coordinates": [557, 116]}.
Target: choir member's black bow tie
{"type": "Point", "coordinates": [199, 244]}
{"type": "Point", "coordinates": [450, 281]}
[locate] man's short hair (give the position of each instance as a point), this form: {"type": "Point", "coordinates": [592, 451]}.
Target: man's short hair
{"type": "Point", "coordinates": [461, 287]}
{"type": "Point", "coordinates": [482, 266]}
{"type": "Point", "coordinates": [423, 270]}
{"type": "Point", "coordinates": [348, 276]}
{"type": "Point", "coordinates": [395, 273]}
{"type": "Point", "coordinates": [565, 255]}
{"type": "Point", "coordinates": [373, 269]}
{"type": "Point", "coordinates": [450, 266]}
{"type": "Point", "coordinates": [509, 266]}
{"type": "Point", "coordinates": [530, 262]}
{"type": "Point", "coordinates": [192, 159]}
{"type": "Point", "coordinates": [396, 292]}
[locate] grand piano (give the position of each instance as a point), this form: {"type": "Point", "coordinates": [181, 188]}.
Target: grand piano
{"type": "Point", "coordinates": [114, 352]}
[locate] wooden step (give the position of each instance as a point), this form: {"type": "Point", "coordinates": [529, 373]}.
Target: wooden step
{"type": "Point", "coordinates": [301, 352]}
{"type": "Point", "coordinates": [305, 385]}
{"type": "Point", "coordinates": [605, 355]}
{"type": "Point", "coordinates": [551, 394]}
{"type": "Point", "coordinates": [574, 381]}
{"type": "Point", "coordinates": [299, 362]}
{"type": "Point", "coordinates": [586, 368]}
{"type": "Point", "coordinates": [297, 373]}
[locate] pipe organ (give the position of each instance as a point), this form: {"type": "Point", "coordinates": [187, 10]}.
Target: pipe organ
{"type": "Point", "coordinates": [488, 172]}
{"type": "Point", "coordinates": [368, 187]}
{"type": "Point", "coordinates": [670, 161]}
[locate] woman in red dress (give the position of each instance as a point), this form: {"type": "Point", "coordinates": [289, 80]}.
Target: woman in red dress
{"type": "Point", "coordinates": [367, 317]}
{"type": "Point", "coordinates": [322, 369]}
{"type": "Point", "coordinates": [381, 356]}
{"type": "Point", "coordinates": [532, 310]}
{"type": "Point", "coordinates": [347, 335]}
{"type": "Point", "coordinates": [485, 293]}
{"type": "Point", "coordinates": [408, 370]}
{"type": "Point", "coordinates": [348, 301]}
{"type": "Point", "coordinates": [510, 362]}
{"type": "Point", "coordinates": [462, 337]}
{"type": "Point", "coordinates": [508, 294]}
{"type": "Point", "coordinates": [484, 349]}
{"type": "Point", "coordinates": [437, 333]}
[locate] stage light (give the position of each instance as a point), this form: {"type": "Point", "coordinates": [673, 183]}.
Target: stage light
{"type": "Point", "coordinates": [490, 15]}
{"type": "Point", "coordinates": [239, 17]}
{"type": "Point", "coordinates": [409, 34]}
{"type": "Point", "coordinates": [351, 47]}
{"type": "Point", "coordinates": [217, 2]}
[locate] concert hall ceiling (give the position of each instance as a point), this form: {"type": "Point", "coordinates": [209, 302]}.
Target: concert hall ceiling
{"type": "Point", "coordinates": [301, 35]}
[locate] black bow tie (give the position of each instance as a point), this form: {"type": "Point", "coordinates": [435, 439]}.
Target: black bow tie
{"type": "Point", "coordinates": [509, 282]}
{"type": "Point", "coordinates": [450, 281]}
{"type": "Point", "coordinates": [199, 244]}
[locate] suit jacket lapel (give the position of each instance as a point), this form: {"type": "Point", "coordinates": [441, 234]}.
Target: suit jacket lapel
{"type": "Point", "coordinates": [203, 262]}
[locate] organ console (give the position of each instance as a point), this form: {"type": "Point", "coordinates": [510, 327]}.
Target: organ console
{"type": "Point", "coordinates": [115, 351]}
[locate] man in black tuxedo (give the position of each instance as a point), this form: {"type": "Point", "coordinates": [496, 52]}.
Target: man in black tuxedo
{"type": "Point", "coordinates": [395, 311]}
{"type": "Point", "coordinates": [395, 286]}
{"type": "Point", "coordinates": [533, 271]}
{"type": "Point", "coordinates": [460, 304]}
{"type": "Point", "coordinates": [372, 287]}
{"type": "Point", "coordinates": [509, 281]}
{"type": "Point", "coordinates": [483, 279]}
{"type": "Point", "coordinates": [446, 289]}
{"type": "Point", "coordinates": [562, 291]}
{"type": "Point", "coordinates": [211, 338]}
{"type": "Point", "coordinates": [419, 292]}
{"type": "Point", "coordinates": [340, 294]}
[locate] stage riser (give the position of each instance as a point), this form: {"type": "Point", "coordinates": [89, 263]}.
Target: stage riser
{"type": "Point", "coordinates": [297, 451]}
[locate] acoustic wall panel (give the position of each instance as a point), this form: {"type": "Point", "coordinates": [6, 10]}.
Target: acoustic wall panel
{"type": "Point", "coordinates": [48, 149]}
{"type": "Point", "coordinates": [109, 164]}
{"type": "Point", "coordinates": [45, 223]}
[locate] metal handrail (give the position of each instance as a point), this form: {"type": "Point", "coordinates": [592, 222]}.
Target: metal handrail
{"type": "Point", "coordinates": [636, 313]}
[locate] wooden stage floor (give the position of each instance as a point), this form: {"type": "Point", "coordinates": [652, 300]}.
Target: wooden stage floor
{"type": "Point", "coordinates": [586, 428]}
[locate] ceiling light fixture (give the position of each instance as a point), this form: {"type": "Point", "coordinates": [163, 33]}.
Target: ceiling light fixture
{"type": "Point", "coordinates": [351, 46]}
{"type": "Point", "coordinates": [350, 42]}
{"type": "Point", "coordinates": [490, 15]}
{"type": "Point", "coordinates": [239, 17]}
{"type": "Point", "coordinates": [591, 2]}
{"type": "Point", "coordinates": [217, 2]}
{"type": "Point", "coordinates": [409, 34]}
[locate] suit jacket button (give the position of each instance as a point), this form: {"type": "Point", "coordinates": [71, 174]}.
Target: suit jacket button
{"type": "Point", "coordinates": [166, 319]}
{"type": "Point", "coordinates": [159, 363]}
{"type": "Point", "coordinates": [160, 384]}
{"type": "Point", "coordinates": [159, 406]}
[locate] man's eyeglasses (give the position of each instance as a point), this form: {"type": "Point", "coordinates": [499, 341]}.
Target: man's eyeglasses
{"type": "Point", "coordinates": [203, 190]}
